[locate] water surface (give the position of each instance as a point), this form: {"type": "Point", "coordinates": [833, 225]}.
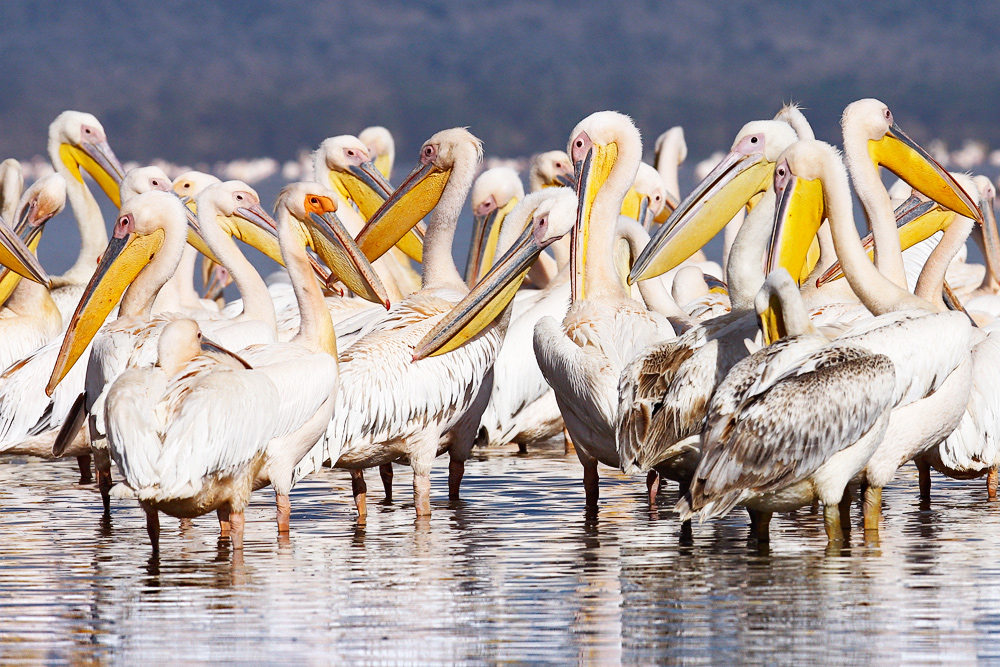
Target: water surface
{"type": "Point", "coordinates": [515, 573]}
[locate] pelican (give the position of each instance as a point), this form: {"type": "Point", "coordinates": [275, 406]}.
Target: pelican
{"type": "Point", "coordinates": [494, 193]}
{"type": "Point", "coordinates": [670, 150]}
{"type": "Point", "coordinates": [129, 341]}
{"type": "Point", "coordinates": [665, 390]}
{"type": "Point", "coordinates": [76, 140]}
{"type": "Point", "coordinates": [550, 169]}
{"type": "Point", "coordinates": [929, 349]}
{"type": "Point", "coordinates": [200, 453]}
{"type": "Point", "coordinates": [761, 449]}
{"type": "Point", "coordinates": [603, 328]}
{"type": "Point", "coordinates": [389, 407]}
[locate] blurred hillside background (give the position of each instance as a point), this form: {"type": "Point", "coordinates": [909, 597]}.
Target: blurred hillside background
{"type": "Point", "coordinates": [192, 81]}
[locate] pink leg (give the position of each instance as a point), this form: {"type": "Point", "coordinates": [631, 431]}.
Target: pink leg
{"type": "Point", "coordinates": [360, 490]}
{"type": "Point", "coordinates": [653, 485]}
{"type": "Point", "coordinates": [236, 523]}
{"type": "Point", "coordinates": [422, 493]}
{"type": "Point", "coordinates": [224, 524]}
{"type": "Point", "coordinates": [991, 483]}
{"type": "Point", "coordinates": [284, 514]}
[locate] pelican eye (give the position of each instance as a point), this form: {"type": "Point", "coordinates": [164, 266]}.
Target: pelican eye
{"type": "Point", "coordinates": [753, 140]}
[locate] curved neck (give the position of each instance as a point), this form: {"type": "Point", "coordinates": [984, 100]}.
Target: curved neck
{"type": "Point", "coordinates": [93, 234]}
{"type": "Point", "coordinates": [439, 265]}
{"type": "Point", "coordinates": [878, 207]}
{"type": "Point", "coordinates": [653, 292]}
{"type": "Point", "coordinates": [744, 272]}
{"type": "Point", "coordinates": [184, 278]}
{"type": "Point", "coordinates": [667, 161]}
{"type": "Point", "coordinates": [257, 303]}
{"type": "Point", "coordinates": [878, 294]}
{"type": "Point", "coordinates": [139, 297]}
{"type": "Point", "coordinates": [600, 273]}
{"type": "Point", "coordinates": [931, 281]}
{"type": "Point", "coordinates": [316, 332]}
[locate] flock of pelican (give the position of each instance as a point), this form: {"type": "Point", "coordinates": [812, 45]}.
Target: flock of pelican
{"type": "Point", "coordinates": [809, 364]}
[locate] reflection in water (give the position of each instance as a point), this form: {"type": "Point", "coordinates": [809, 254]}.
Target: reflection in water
{"type": "Point", "coordinates": [516, 572]}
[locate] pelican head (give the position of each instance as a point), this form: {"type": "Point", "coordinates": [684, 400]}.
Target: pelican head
{"type": "Point", "coordinates": [780, 310]}
{"type": "Point", "coordinates": [77, 139]}
{"type": "Point", "coordinates": [143, 179]}
{"type": "Point", "coordinates": [598, 144]}
{"type": "Point", "coordinates": [237, 210]}
{"type": "Point", "coordinates": [351, 173]}
{"type": "Point", "coordinates": [420, 192]}
{"type": "Point", "coordinates": [550, 214]}
{"type": "Point", "coordinates": [41, 202]}
{"type": "Point", "coordinates": [179, 343]}
{"type": "Point", "coordinates": [647, 197]}
{"type": "Point", "coordinates": [871, 121]}
{"type": "Point", "coordinates": [494, 194]}
{"type": "Point", "coordinates": [990, 237]}
{"type": "Point", "coordinates": [381, 147]}
{"type": "Point", "coordinates": [316, 208]}
{"type": "Point", "coordinates": [190, 184]}
{"type": "Point", "coordinates": [741, 175]}
{"type": "Point", "coordinates": [551, 169]}
{"type": "Point", "coordinates": [148, 225]}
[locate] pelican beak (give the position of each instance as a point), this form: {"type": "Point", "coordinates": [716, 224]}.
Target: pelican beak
{"type": "Point", "coordinates": [253, 226]}
{"type": "Point", "coordinates": [991, 239]}
{"type": "Point", "coordinates": [900, 155]}
{"type": "Point", "coordinates": [384, 167]}
{"type": "Point", "coordinates": [741, 175]}
{"type": "Point", "coordinates": [127, 254]}
{"type": "Point", "coordinates": [565, 181]}
{"type": "Point", "coordinates": [644, 218]}
{"type": "Point", "coordinates": [211, 346]}
{"type": "Point", "coordinates": [194, 237]}
{"type": "Point", "coordinates": [486, 301]}
{"type": "Point", "coordinates": [916, 220]}
{"type": "Point", "coordinates": [346, 261]}
{"type": "Point", "coordinates": [487, 233]}
{"type": "Point", "coordinates": [18, 257]}
{"type": "Point", "coordinates": [215, 277]}
{"type": "Point", "coordinates": [772, 323]}
{"type": "Point", "coordinates": [97, 158]}
{"type": "Point", "coordinates": [29, 230]}
{"type": "Point", "coordinates": [631, 203]}
{"type": "Point", "coordinates": [716, 286]}
{"type": "Point", "coordinates": [798, 213]}
{"type": "Point", "coordinates": [409, 204]}
{"type": "Point", "coordinates": [670, 204]}
{"type": "Point", "coordinates": [480, 225]}
{"type": "Point", "coordinates": [593, 171]}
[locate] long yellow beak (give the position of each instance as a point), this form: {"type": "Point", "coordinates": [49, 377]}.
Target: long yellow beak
{"type": "Point", "coordinates": [127, 254]}
{"type": "Point", "coordinates": [902, 156]}
{"type": "Point", "coordinates": [99, 161]}
{"type": "Point", "coordinates": [916, 220]}
{"type": "Point", "coordinates": [252, 225]}
{"type": "Point", "coordinates": [486, 233]}
{"type": "Point", "coordinates": [485, 302]}
{"type": "Point", "coordinates": [798, 213]}
{"type": "Point", "coordinates": [345, 259]}
{"type": "Point", "coordinates": [17, 248]}
{"type": "Point", "coordinates": [407, 206]}
{"type": "Point", "coordinates": [593, 171]}
{"type": "Point", "coordinates": [711, 205]}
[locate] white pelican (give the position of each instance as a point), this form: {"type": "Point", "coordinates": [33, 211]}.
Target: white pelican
{"type": "Point", "coordinates": [929, 349]}
{"type": "Point", "coordinates": [550, 169]}
{"type": "Point", "coordinates": [388, 406]}
{"type": "Point", "coordinates": [129, 341]}
{"type": "Point", "coordinates": [670, 151]}
{"type": "Point", "coordinates": [603, 328]}
{"type": "Point", "coordinates": [761, 447]}
{"type": "Point", "coordinates": [76, 140]}
{"type": "Point", "coordinates": [189, 439]}
{"type": "Point", "coordinates": [11, 186]}
{"type": "Point", "coordinates": [494, 193]}
{"type": "Point", "coordinates": [665, 390]}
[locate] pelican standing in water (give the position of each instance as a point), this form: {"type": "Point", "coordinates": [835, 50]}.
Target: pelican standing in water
{"type": "Point", "coordinates": [389, 407]}
{"type": "Point", "coordinates": [604, 328]}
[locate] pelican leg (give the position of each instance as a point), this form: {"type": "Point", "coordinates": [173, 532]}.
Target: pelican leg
{"type": "Point", "coordinates": [522, 448]}
{"type": "Point", "coordinates": [687, 532]}
{"type": "Point", "coordinates": [991, 483]}
{"type": "Point", "coordinates": [102, 464]}
{"type": "Point", "coordinates": [832, 522]}
{"type": "Point", "coordinates": [422, 493]}
{"type": "Point", "coordinates": [224, 523]}
{"type": "Point", "coordinates": [284, 513]}
{"type": "Point", "coordinates": [385, 472]}
{"type": "Point", "coordinates": [652, 486]}
{"type": "Point", "coordinates": [845, 512]}
{"type": "Point", "coordinates": [924, 472]}
{"type": "Point", "coordinates": [153, 528]}
{"type": "Point", "coordinates": [456, 470]}
{"type": "Point", "coordinates": [873, 507]}
{"type": "Point", "coordinates": [360, 490]}
{"type": "Point", "coordinates": [236, 522]}
{"type": "Point", "coordinates": [762, 525]}
{"type": "Point", "coordinates": [591, 483]}
{"type": "Point", "coordinates": [84, 463]}
{"type": "Point", "coordinates": [186, 523]}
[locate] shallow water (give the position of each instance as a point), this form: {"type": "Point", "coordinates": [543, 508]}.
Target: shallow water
{"type": "Point", "coordinates": [515, 573]}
